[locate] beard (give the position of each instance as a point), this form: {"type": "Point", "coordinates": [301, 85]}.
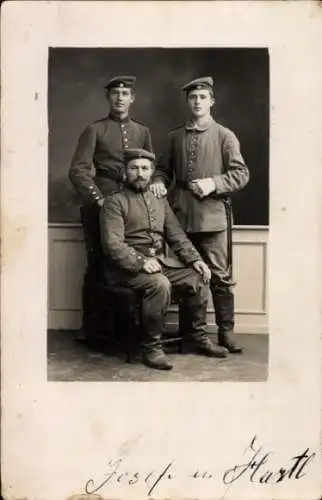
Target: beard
{"type": "Point", "coordinates": [139, 185]}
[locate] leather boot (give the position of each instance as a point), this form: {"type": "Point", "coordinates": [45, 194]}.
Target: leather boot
{"type": "Point", "coordinates": [192, 325]}
{"type": "Point", "coordinates": [153, 354]}
{"type": "Point", "coordinates": [156, 358]}
{"type": "Point", "coordinates": [203, 345]}
{"type": "Point", "coordinates": [224, 311]}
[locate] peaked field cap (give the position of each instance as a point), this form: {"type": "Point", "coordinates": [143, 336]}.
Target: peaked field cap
{"type": "Point", "coordinates": [126, 81]}
{"type": "Point", "coordinates": [136, 153]}
{"type": "Point", "coordinates": [205, 82]}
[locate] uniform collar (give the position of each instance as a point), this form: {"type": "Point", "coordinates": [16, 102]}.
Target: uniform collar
{"type": "Point", "coordinates": [190, 126]}
{"type": "Point", "coordinates": [116, 118]}
{"type": "Point", "coordinates": [147, 192]}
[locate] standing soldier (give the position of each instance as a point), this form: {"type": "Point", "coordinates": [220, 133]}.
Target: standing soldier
{"type": "Point", "coordinates": [100, 151]}
{"type": "Point", "coordinates": [204, 159]}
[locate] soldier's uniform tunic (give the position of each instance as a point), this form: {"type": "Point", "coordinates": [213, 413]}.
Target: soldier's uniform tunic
{"type": "Point", "coordinates": [137, 225]}
{"type": "Point", "coordinates": [201, 152]}
{"type": "Point", "coordinates": [101, 146]}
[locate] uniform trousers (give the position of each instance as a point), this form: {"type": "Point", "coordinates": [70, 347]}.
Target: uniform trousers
{"type": "Point", "coordinates": [214, 249]}
{"type": "Point", "coordinates": [156, 291]}
{"type": "Point", "coordinates": [94, 270]}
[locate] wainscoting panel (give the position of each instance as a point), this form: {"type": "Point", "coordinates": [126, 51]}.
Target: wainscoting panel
{"type": "Point", "coordinates": [67, 260]}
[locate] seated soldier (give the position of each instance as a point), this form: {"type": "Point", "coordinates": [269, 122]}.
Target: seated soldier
{"type": "Point", "coordinates": [135, 226]}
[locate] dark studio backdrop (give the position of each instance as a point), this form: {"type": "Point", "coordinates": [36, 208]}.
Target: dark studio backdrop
{"type": "Point", "coordinates": [76, 98]}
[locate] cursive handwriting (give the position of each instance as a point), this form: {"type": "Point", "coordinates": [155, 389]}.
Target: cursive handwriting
{"type": "Point", "coordinates": [151, 478]}
{"type": "Point", "coordinates": [258, 471]}
{"type": "Point", "coordinates": [257, 468]}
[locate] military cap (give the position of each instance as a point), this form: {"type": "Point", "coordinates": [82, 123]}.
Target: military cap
{"type": "Point", "coordinates": [127, 82]}
{"type": "Point", "coordinates": [135, 153]}
{"type": "Point", "coordinates": [199, 83]}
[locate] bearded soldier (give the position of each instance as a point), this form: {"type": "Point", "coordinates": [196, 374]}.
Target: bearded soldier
{"type": "Point", "coordinates": [135, 227]}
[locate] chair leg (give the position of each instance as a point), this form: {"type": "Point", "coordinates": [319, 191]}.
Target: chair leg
{"type": "Point", "coordinates": [181, 329]}
{"type": "Point", "coordinates": [126, 330]}
{"type": "Point", "coordinates": [131, 336]}
{"type": "Point", "coordinates": [128, 355]}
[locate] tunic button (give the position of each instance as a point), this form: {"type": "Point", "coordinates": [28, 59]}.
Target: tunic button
{"type": "Point", "coordinates": [122, 125]}
{"type": "Point", "coordinates": [126, 146]}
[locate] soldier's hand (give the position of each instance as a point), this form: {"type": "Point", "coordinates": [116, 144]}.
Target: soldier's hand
{"type": "Point", "coordinates": [203, 187]}
{"type": "Point", "coordinates": [151, 266]}
{"type": "Point", "coordinates": [100, 202]}
{"type": "Point", "coordinates": [202, 268]}
{"type": "Point", "coordinates": [194, 187]}
{"type": "Point", "coordinates": [158, 189]}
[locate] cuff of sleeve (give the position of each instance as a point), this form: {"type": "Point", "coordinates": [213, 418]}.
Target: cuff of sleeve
{"type": "Point", "coordinates": [95, 194]}
{"type": "Point", "coordinates": [219, 185]}
{"type": "Point", "coordinates": [138, 261]}
{"type": "Point", "coordinates": [192, 259]}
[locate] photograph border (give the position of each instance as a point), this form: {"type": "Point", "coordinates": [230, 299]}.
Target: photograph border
{"type": "Point", "coordinates": [45, 422]}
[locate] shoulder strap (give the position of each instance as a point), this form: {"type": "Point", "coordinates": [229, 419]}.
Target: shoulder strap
{"type": "Point", "coordinates": [138, 121]}
{"type": "Point", "coordinates": [177, 126]}
{"type": "Point", "coordinates": [101, 119]}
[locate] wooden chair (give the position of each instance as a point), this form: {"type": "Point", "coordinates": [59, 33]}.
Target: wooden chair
{"type": "Point", "coordinates": [112, 314]}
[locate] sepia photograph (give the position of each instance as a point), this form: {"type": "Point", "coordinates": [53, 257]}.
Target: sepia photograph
{"type": "Point", "coordinates": [160, 222]}
{"type": "Point", "coordinates": [158, 214]}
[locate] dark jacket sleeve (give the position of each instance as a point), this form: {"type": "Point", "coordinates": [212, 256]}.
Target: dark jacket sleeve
{"type": "Point", "coordinates": [80, 172]}
{"type": "Point", "coordinates": [112, 236]}
{"type": "Point", "coordinates": [148, 141]}
{"type": "Point", "coordinates": [236, 174]}
{"type": "Point", "coordinates": [177, 238]}
{"type": "Point", "coordinates": [164, 168]}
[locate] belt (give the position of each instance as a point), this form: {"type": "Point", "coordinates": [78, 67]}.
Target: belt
{"type": "Point", "coordinates": [182, 185]}
{"type": "Point", "coordinates": [112, 175]}
{"type": "Point", "coordinates": [149, 251]}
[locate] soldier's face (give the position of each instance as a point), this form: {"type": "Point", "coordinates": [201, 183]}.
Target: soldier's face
{"type": "Point", "coordinates": [139, 173]}
{"type": "Point", "coordinates": [120, 100]}
{"type": "Point", "coordinates": [200, 102]}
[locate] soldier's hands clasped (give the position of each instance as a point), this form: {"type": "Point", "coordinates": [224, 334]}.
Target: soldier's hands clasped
{"type": "Point", "coordinates": [158, 189]}
{"type": "Point", "coordinates": [203, 187]}
{"type": "Point", "coordinates": [151, 266]}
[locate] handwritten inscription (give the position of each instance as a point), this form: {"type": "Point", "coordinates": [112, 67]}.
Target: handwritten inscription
{"type": "Point", "coordinates": [151, 478]}
{"type": "Point", "coordinates": [258, 471]}
{"type": "Point", "coordinates": [255, 469]}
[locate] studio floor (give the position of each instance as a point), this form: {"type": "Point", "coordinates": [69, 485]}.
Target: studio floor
{"type": "Point", "coordinates": [70, 360]}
